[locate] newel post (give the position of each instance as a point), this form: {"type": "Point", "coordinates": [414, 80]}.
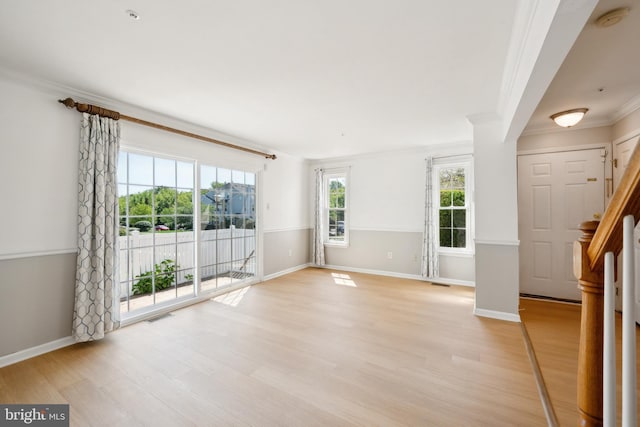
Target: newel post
{"type": "Point", "coordinates": [591, 283]}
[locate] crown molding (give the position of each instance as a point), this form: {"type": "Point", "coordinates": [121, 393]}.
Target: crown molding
{"type": "Point", "coordinates": [61, 90]}
{"type": "Point", "coordinates": [629, 107]}
{"type": "Point", "coordinates": [520, 34]}
{"type": "Point", "coordinates": [552, 128]}
{"type": "Point", "coordinates": [447, 148]}
{"type": "Point", "coordinates": [484, 118]}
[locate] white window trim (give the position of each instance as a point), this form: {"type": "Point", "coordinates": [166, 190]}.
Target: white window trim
{"type": "Point", "coordinates": [465, 162]}
{"type": "Point", "coordinates": [336, 173]}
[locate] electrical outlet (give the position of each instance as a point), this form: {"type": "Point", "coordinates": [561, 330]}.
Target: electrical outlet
{"type": "Point", "coordinates": [389, 255]}
{"type": "Point", "coordinates": [290, 252]}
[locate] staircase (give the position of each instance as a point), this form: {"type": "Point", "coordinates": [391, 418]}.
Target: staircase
{"type": "Point", "coordinates": [600, 241]}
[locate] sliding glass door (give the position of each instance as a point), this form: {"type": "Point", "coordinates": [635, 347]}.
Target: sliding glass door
{"type": "Point", "coordinates": [161, 260]}
{"type": "Point", "coordinates": [227, 226]}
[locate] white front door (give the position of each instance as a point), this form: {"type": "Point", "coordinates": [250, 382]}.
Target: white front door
{"type": "Point", "coordinates": [621, 153]}
{"type": "Point", "coordinates": [556, 192]}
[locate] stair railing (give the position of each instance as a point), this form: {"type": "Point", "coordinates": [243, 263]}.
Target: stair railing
{"type": "Point", "coordinates": [589, 252]}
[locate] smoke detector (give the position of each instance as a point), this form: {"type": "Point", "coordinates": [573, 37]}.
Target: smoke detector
{"type": "Point", "coordinates": [612, 17]}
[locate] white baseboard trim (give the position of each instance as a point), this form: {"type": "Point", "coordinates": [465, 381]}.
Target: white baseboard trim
{"type": "Point", "coordinates": [500, 315]}
{"type": "Point", "coordinates": [446, 281]}
{"type": "Point", "coordinates": [376, 272]}
{"type": "Point", "coordinates": [28, 353]}
{"type": "Point", "coordinates": [287, 271]}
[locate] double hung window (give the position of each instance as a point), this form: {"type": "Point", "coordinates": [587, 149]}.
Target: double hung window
{"type": "Point", "coordinates": [453, 204]}
{"type": "Point", "coordinates": [336, 208]}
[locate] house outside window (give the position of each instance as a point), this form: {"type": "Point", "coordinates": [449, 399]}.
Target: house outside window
{"type": "Point", "coordinates": [453, 202]}
{"type": "Point", "coordinates": [169, 250]}
{"type": "Point", "coordinates": [336, 208]}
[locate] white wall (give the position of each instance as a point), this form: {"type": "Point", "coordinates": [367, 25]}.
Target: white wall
{"type": "Point", "coordinates": [386, 207]}
{"type": "Point", "coordinates": [565, 138]}
{"type": "Point", "coordinates": [38, 174]}
{"type": "Point", "coordinates": [626, 127]}
{"type": "Point", "coordinates": [286, 194]}
{"type": "Point", "coordinates": [38, 171]}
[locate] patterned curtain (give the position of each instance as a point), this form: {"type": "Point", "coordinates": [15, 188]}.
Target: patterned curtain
{"type": "Point", "coordinates": [96, 309]}
{"type": "Point", "coordinates": [318, 229]}
{"type": "Point", "coordinates": [429, 248]}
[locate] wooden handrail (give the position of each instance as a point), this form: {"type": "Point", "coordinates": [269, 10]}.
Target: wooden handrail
{"type": "Point", "coordinates": [588, 265]}
{"type": "Point", "coordinates": [625, 201]}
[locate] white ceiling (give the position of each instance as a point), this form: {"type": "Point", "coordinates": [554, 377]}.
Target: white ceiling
{"type": "Point", "coordinates": [317, 79]}
{"type": "Point", "coordinates": [601, 58]}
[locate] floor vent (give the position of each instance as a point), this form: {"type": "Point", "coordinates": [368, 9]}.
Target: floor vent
{"type": "Point", "coordinates": [162, 316]}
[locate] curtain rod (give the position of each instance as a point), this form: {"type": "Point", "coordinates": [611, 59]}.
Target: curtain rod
{"type": "Point", "coordinates": [103, 112]}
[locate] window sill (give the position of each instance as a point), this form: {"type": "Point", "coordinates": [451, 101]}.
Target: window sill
{"type": "Point", "coordinates": [466, 253]}
{"type": "Point", "coordinates": [336, 244]}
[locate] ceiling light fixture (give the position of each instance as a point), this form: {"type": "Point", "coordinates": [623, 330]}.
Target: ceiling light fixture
{"type": "Point", "coordinates": [569, 118]}
{"type": "Point", "coordinates": [133, 14]}
{"type": "Point", "coordinates": [612, 17]}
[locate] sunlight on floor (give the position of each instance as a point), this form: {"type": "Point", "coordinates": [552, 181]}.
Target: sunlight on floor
{"type": "Point", "coordinates": [343, 279]}
{"type": "Point", "coordinates": [232, 298]}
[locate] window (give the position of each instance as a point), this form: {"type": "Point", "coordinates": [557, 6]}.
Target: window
{"type": "Point", "coordinates": [453, 203]}
{"type": "Point", "coordinates": [162, 259]}
{"type": "Point", "coordinates": [157, 241]}
{"type": "Point", "coordinates": [336, 208]}
{"type": "Point", "coordinates": [227, 226]}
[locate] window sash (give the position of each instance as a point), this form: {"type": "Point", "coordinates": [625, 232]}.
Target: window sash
{"type": "Point", "coordinates": [337, 232]}
{"type": "Point", "coordinates": [457, 235]}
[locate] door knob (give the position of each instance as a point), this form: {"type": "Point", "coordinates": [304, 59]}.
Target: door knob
{"type": "Point", "coordinates": [597, 215]}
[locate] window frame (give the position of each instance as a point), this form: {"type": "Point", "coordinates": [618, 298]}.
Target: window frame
{"type": "Point", "coordinates": [328, 176]}
{"type": "Point", "coordinates": [130, 315]}
{"type": "Point", "coordinates": [460, 162]}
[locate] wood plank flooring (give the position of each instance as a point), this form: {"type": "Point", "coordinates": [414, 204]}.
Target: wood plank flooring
{"type": "Point", "coordinates": [554, 329]}
{"type": "Point", "coordinates": [313, 348]}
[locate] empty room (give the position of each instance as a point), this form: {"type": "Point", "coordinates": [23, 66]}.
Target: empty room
{"type": "Point", "coordinates": [315, 213]}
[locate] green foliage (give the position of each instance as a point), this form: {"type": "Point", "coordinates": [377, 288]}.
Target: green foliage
{"type": "Point", "coordinates": [164, 274]}
{"type": "Point", "coordinates": [168, 204]}
{"type": "Point", "coordinates": [142, 210]}
{"type": "Point", "coordinates": [451, 198]}
{"type": "Point", "coordinates": [336, 193]}
{"type": "Point", "coordinates": [143, 225]}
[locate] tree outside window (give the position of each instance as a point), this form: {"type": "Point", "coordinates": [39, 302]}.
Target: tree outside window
{"type": "Point", "coordinates": [452, 208]}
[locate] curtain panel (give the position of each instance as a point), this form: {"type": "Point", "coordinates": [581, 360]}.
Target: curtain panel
{"type": "Point", "coordinates": [96, 308]}
{"type": "Point", "coordinates": [430, 265]}
{"type": "Point", "coordinates": [318, 228]}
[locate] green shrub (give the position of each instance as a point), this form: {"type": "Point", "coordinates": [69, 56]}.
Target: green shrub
{"type": "Point", "coordinates": [143, 225]}
{"type": "Point", "coordinates": [164, 275]}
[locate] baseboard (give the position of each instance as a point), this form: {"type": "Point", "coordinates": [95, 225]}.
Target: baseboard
{"type": "Point", "coordinates": [445, 281]}
{"type": "Point", "coordinates": [287, 271]}
{"type": "Point", "coordinates": [28, 353]}
{"type": "Point", "coordinates": [375, 272]}
{"type": "Point", "coordinates": [500, 315]}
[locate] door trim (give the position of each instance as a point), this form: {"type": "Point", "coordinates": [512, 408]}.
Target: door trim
{"type": "Point", "coordinates": [549, 150]}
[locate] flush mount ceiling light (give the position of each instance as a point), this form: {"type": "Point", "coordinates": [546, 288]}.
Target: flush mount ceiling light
{"type": "Point", "coordinates": [569, 118]}
{"type": "Point", "coordinates": [612, 17]}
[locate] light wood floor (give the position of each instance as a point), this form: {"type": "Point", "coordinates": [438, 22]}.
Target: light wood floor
{"type": "Point", "coordinates": [555, 334]}
{"type": "Point", "coordinates": [313, 348]}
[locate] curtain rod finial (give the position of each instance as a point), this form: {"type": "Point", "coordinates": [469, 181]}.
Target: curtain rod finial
{"type": "Point", "coordinates": [69, 103]}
